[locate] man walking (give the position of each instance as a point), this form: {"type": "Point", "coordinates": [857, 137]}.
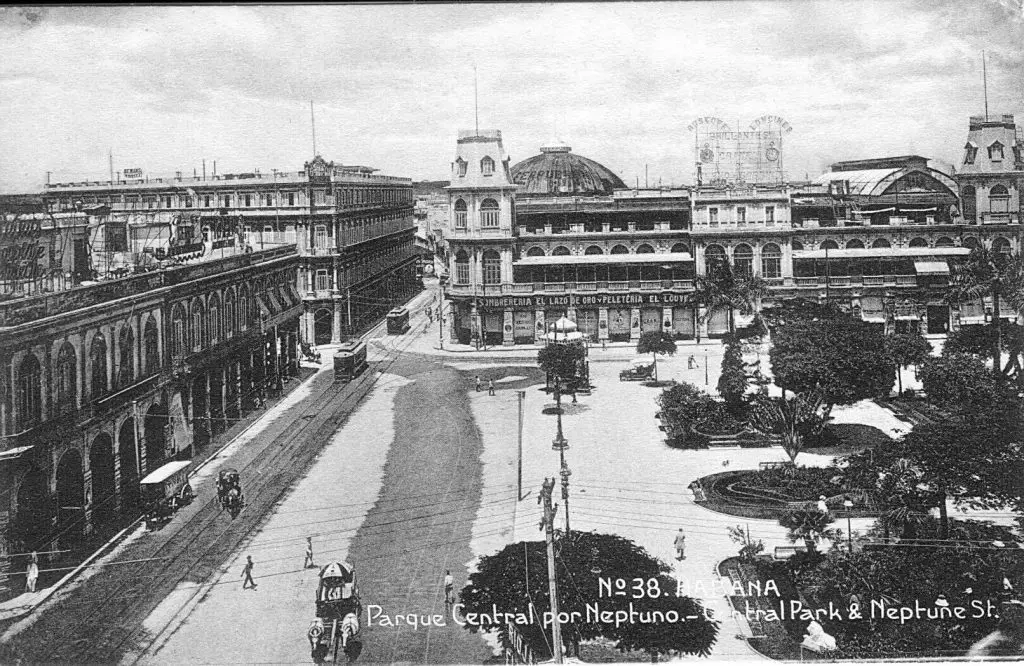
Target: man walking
{"type": "Point", "coordinates": [490, 387]}
{"type": "Point", "coordinates": [247, 573]}
{"type": "Point", "coordinates": [309, 554]}
{"type": "Point", "coordinates": [32, 574]}
{"type": "Point", "coordinates": [449, 588]}
{"type": "Point", "coordinates": [680, 545]}
{"type": "Point", "coordinates": [478, 383]}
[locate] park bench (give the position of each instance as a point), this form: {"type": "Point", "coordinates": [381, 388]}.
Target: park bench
{"type": "Point", "coordinates": [786, 552]}
{"type": "Point", "coordinates": [775, 464]}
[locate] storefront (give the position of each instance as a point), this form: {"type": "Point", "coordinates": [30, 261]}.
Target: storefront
{"type": "Point", "coordinates": [683, 323]}
{"type": "Point", "coordinates": [618, 325]}
{"type": "Point", "coordinates": [718, 323]}
{"type": "Point", "coordinates": [587, 320]}
{"type": "Point", "coordinates": [650, 319]}
{"type": "Point", "coordinates": [523, 327]}
{"type": "Point", "coordinates": [492, 328]}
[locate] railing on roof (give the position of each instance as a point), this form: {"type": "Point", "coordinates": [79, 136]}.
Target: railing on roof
{"type": "Point", "coordinates": [22, 310]}
{"type": "Point", "coordinates": [284, 176]}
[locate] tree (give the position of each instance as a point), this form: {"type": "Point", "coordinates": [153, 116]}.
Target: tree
{"type": "Point", "coordinates": [732, 383]}
{"type": "Point", "coordinates": [903, 504]}
{"type": "Point", "coordinates": [516, 578]}
{"type": "Point", "coordinates": [684, 406]}
{"type": "Point", "coordinates": [792, 419]}
{"type": "Point", "coordinates": [722, 287]}
{"type": "Point", "coordinates": [563, 363]}
{"type": "Point", "coordinates": [749, 549]}
{"type": "Point", "coordinates": [839, 355]}
{"type": "Point", "coordinates": [806, 526]}
{"type": "Point", "coordinates": [656, 343]}
{"type": "Point", "coordinates": [994, 274]}
{"type": "Point", "coordinates": [958, 383]}
{"type": "Point", "coordinates": [907, 349]}
{"type": "Point", "coordinates": [978, 339]}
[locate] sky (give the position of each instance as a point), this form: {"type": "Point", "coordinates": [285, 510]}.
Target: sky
{"type": "Point", "coordinates": [162, 88]}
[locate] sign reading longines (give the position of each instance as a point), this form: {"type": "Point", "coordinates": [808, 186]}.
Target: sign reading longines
{"type": "Point", "coordinates": [582, 301]}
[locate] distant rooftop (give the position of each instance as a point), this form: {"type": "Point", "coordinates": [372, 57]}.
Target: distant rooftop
{"type": "Point", "coordinates": [899, 162]}
{"type": "Point", "coordinates": [992, 120]}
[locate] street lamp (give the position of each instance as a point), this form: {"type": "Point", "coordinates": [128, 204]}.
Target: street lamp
{"type": "Point", "coordinates": [848, 504]}
{"type": "Point", "coordinates": [559, 443]}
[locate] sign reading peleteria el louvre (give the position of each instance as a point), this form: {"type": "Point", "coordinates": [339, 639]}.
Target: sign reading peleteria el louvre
{"type": "Point", "coordinates": [726, 157]}
{"type": "Point", "coordinates": [583, 300]}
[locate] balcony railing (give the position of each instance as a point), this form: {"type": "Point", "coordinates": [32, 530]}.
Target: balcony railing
{"type": "Point", "coordinates": [569, 287]}
{"type": "Point", "coordinates": [858, 280]}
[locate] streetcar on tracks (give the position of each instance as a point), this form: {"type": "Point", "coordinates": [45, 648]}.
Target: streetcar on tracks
{"type": "Point", "coordinates": [398, 321]}
{"type": "Point", "coordinates": [164, 491]}
{"type": "Point", "coordinates": [338, 607]}
{"type": "Point", "coordinates": [349, 361]}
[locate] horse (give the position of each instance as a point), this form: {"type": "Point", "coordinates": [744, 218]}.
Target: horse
{"type": "Point", "coordinates": [233, 502]}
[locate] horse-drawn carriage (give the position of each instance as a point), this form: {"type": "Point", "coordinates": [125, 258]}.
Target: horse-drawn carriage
{"type": "Point", "coordinates": [309, 352]}
{"type": "Point", "coordinates": [338, 607]}
{"type": "Point", "coordinates": [164, 491]}
{"type": "Point", "coordinates": [229, 491]}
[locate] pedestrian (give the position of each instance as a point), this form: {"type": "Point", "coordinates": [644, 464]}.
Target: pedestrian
{"type": "Point", "coordinates": [449, 587]}
{"type": "Point", "coordinates": [32, 575]}
{"type": "Point", "coordinates": [247, 573]}
{"type": "Point", "coordinates": [822, 506]}
{"type": "Point", "coordinates": [309, 554]}
{"type": "Point", "coordinates": [680, 545]}
{"type": "Point", "coordinates": [604, 344]}
{"type": "Point", "coordinates": [478, 383]}
{"type": "Point", "coordinates": [691, 362]}
{"type": "Point", "coordinates": [490, 387]}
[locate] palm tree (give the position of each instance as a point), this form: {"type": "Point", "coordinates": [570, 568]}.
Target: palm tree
{"type": "Point", "coordinates": [724, 287]}
{"type": "Point", "coordinates": [808, 526]}
{"type": "Point", "coordinates": [791, 419]}
{"type": "Point", "coordinates": [902, 505]}
{"type": "Point", "coordinates": [995, 274]}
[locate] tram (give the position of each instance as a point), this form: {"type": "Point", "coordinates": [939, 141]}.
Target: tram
{"type": "Point", "coordinates": [164, 491]}
{"type": "Point", "coordinates": [398, 321]}
{"type": "Point", "coordinates": [349, 361]}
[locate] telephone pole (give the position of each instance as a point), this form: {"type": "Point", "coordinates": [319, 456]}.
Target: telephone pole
{"type": "Point", "coordinates": [547, 524]}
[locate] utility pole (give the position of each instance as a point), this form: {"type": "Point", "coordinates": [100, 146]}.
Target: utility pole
{"type": "Point", "coordinates": [547, 526]}
{"type": "Point", "coordinates": [519, 472]}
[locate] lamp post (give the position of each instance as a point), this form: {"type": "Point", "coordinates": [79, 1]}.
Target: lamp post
{"type": "Point", "coordinates": [848, 504]}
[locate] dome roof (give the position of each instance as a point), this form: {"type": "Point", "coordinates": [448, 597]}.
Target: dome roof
{"type": "Point", "coordinates": [558, 172]}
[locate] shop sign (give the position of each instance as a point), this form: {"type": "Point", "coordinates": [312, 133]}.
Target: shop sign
{"type": "Point", "coordinates": [582, 301]}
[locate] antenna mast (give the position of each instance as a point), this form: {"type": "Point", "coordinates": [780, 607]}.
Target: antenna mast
{"type": "Point", "coordinates": [476, 102]}
{"type": "Point", "coordinates": [312, 119]}
{"type": "Point", "coordinates": [984, 79]}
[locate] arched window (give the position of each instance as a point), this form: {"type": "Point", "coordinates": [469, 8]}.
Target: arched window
{"type": "Point", "coordinates": [535, 251]}
{"type": "Point", "coordinates": [460, 214]}
{"type": "Point", "coordinates": [125, 356]}
{"type": "Point", "coordinates": [881, 242]}
{"type": "Point", "coordinates": [492, 267]}
{"type": "Point", "coordinates": [487, 166]}
{"type": "Point", "coordinates": [771, 261]}
{"type": "Point", "coordinates": [828, 245]}
{"type": "Point", "coordinates": [968, 199]}
{"type": "Point", "coordinates": [98, 363]}
{"type": "Point", "coordinates": [680, 247]}
{"type": "Point", "coordinates": [460, 166]}
{"type": "Point", "coordinates": [797, 245]}
{"type": "Point", "coordinates": [242, 312]}
{"type": "Point", "coordinates": [489, 213]}
{"type": "Point", "coordinates": [1001, 246]}
{"type": "Point", "coordinates": [918, 242]}
{"type": "Point", "coordinates": [620, 249]}
{"type": "Point", "coordinates": [854, 244]}
{"type": "Point", "coordinates": [560, 251]}
{"type": "Point", "coordinates": [593, 249]}
{"type": "Point", "coordinates": [461, 267]}
{"type": "Point", "coordinates": [214, 319]}
{"type": "Point", "coordinates": [999, 199]}
{"type": "Point", "coordinates": [644, 249]}
{"type": "Point", "coordinates": [743, 259]}
{"type": "Point", "coordinates": [151, 345]}
{"type": "Point", "coordinates": [714, 256]}
{"type": "Point", "coordinates": [229, 313]}
{"type": "Point", "coordinates": [198, 332]}
{"type": "Point", "coordinates": [944, 241]}
{"type": "Point", "coordinates": [970, 242]}
{"type": "Point", "coordinates": [28, 404]}
{"type": "Point", "coordinates": [66, 376]}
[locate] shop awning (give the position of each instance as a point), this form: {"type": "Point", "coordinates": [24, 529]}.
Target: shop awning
{"type": "Point", "coordinates": [931, 267]}
{"type": "Point", "coordinates": [571, 260]}
{"type": "Point", "coordinates": [265, 307]}
{"type": "Point", "coordinates": [875, 252]}
{"type": "Point", "coordinates": [15, 453]}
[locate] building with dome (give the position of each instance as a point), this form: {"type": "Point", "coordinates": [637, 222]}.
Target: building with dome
{"type": "Point", "coordinates": [560, 235]}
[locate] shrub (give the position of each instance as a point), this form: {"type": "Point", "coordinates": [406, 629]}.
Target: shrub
{"type": "Point", "coordinates": [683, 406]}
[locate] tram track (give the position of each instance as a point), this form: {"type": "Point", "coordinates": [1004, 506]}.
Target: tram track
{"type": "Point", "coordinates": [103, 630]}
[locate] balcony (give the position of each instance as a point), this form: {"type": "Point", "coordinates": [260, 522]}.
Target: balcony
{"type": "Point", "coordinates": [856, 281]}
{"type": "Point", "coordinates": [571, 287]}
{"type": "Point", "coordinates": [999, 218]}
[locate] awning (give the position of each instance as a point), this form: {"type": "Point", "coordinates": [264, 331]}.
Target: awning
{"type": "Point", "coordinates": [293, 294]}
{"type": "Point", "coordinates": [931, 267]}
{"type": "Point", "coordinates": [873, 317]}
{"type": "Point", "coordinates": [265, 308]}
{"type": "Point", "coordinates": [874, 252]}
{"type": "Point", "coordinates": [570, 260]}
{"type": "Point", "coordinates": [15, 453]}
